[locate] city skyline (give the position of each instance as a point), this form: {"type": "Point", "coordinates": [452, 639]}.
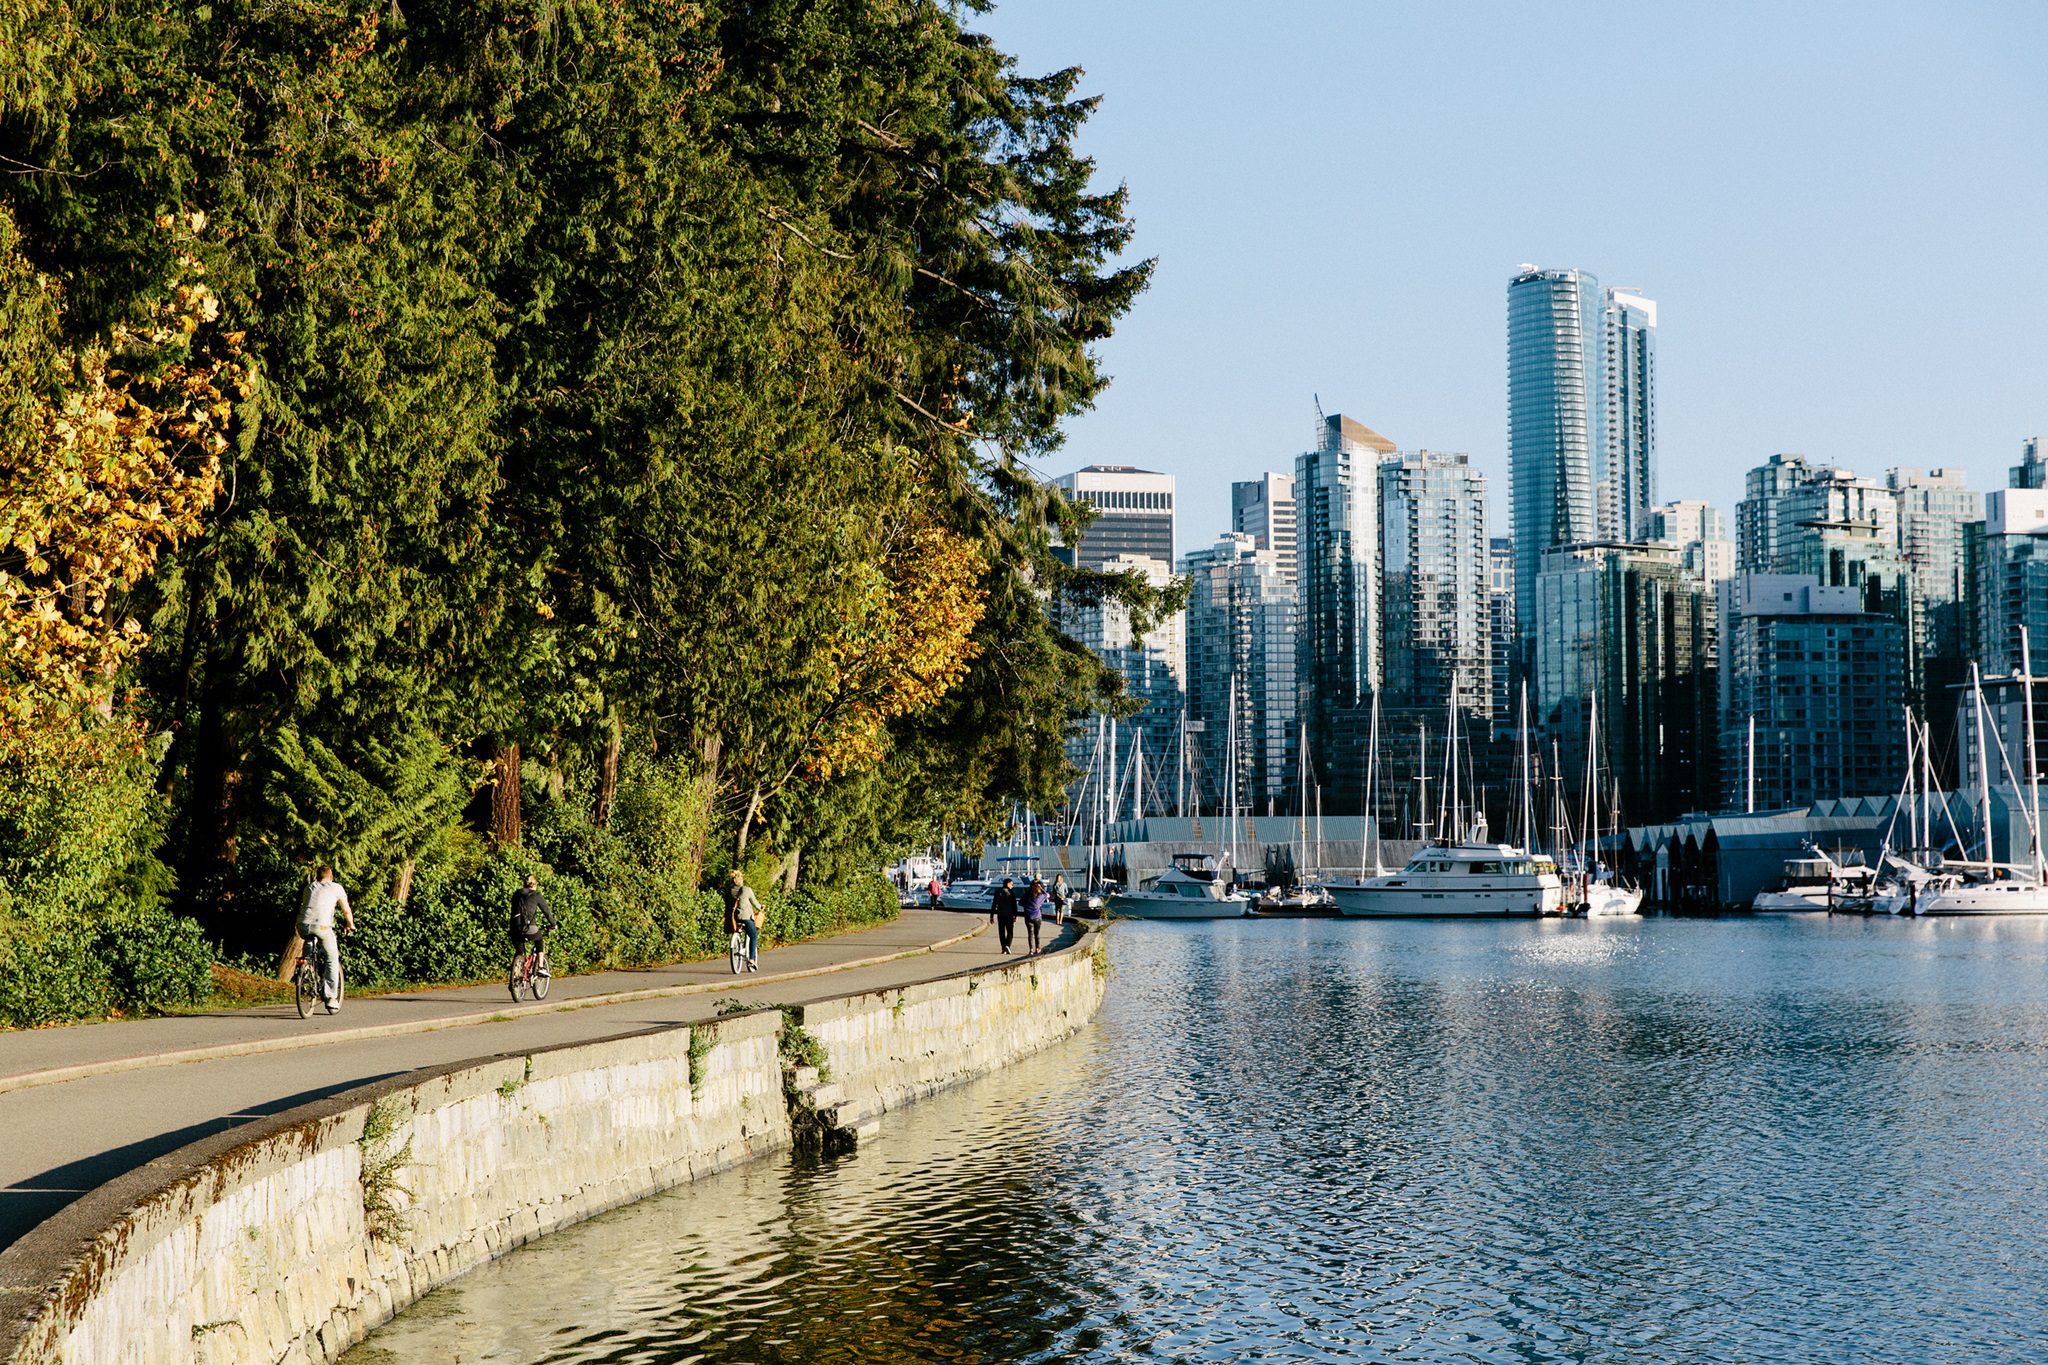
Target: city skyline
{"type": "Point", "coordinates": [1787, 197]}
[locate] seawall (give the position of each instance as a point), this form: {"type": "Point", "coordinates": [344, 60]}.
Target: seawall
{"type": "Point", "coordinates": [292, 1237]}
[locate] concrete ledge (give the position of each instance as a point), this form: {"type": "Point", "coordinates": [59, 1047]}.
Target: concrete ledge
{"type": "Point", "coordinates": [292, 1237]}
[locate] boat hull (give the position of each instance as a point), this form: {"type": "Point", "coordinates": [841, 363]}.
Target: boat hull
{"type": "Point", "coordinates": [1987, 898]}
{"type": "Point", "coordinates": [1383, 902]}
{"type": "Point", "coordinates": [1613, 902]}
{"type": "Point", "coordinates": [1788, 902]}
{"type": "Point", "coordinates": [1176, 907]}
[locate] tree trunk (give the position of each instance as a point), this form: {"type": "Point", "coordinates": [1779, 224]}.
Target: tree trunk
{"type": "Point", "coordinates": [707, 799]}
{"type": "Point", "coordinates": [790, 864]}
{"type": "Point", "coordinates": [291, 953]}
{"type": "Point", "coordinates": [607, 777]}
{"type": "Point", "coordinates": [401, 884]}
{"type": "Point", "coordinates": [747, 824]}
{"type": "Point", "coordinates": [555, 766]}
{"type": "Point", "coordinates": [505, 796]}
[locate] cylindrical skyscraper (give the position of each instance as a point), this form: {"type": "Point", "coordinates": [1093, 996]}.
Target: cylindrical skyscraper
{"type": "Point", "coordinates": [1556, 417]}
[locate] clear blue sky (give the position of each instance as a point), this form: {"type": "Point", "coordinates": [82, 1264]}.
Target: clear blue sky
{"type": "Point", "coordinates": [1841, 210]}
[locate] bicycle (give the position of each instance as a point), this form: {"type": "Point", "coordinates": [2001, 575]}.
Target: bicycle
{"type": "Point", "coordinates": [306, 978]}
{"type": "Point", "coordinates": [530, 973]}
{"type": "Point", "coordinates": [737, 951]}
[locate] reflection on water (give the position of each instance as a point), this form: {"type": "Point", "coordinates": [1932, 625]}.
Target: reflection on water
{"type": "Point", "coordinates": [1794, 1138]}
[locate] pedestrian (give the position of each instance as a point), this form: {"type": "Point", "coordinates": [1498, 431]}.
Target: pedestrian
{"type": "Point", "coordinates": [1034, 912]}
{"type": "Point", "coordinates": [1003, 914]}
{"type": "Point", "coordinates": [936, 890]}
{"type": "Point", "coordinates": [1060, 896]}
{"type": "Point", "coordinates": [743, 915]}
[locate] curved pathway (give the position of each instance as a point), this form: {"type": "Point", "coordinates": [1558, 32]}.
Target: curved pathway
{"type": "Point", "coordinates": [82, 1105]}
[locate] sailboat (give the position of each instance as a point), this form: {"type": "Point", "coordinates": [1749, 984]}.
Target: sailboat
{"type": "Point", "coordinates": [2004, 888]}
{"type": "Point", "coordinates": [1307, 896]}
{"type": "Point", "coordinates": [1599, 891]}
{"type": "Point", "coordinates": [1196, 885]}
{"type": "Point", "coordinates": [1462, 875]}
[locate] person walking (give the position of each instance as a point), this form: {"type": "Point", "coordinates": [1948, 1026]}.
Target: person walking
{"type": "Point", "coordinates": [1061, 894]}
{"type": "Point", "coordinates": [1034, 912]}
{"type": "Point", "coordinates": [1003, 914]}
{"type": "Point", "coordinates": [324, 896]}
{"type": "Point", "coordinates": [936, 890]}
{"type": "Point", "coordinates": [743, 915]}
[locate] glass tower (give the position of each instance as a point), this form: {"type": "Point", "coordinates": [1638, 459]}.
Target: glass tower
{"type": "Point", "coordinates": [1556, 417]}
{"type": "Point", "coordinates": [1434, 581]}
{"type": "Point", "coordinates": [1629, 476]}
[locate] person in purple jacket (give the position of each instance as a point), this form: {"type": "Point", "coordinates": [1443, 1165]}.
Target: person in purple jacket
{"type": "Point", "coordinates": [1035, 901]}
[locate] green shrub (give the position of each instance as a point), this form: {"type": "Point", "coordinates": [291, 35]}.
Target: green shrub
{"type": "Point", "coordinates": [69, 967]}
{"type": "Point", "coordinates": [457, 924]}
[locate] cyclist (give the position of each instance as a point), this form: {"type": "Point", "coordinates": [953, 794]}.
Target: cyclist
{"type": "Point", "coordinates": [324, 896]}
{"type": "Point", "coordinates": [532, 922]}
{"type": "Point", "coordinates": [743, 915]}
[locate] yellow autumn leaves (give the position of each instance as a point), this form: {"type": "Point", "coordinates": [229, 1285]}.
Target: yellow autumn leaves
{"type": "Point", "coordinates": [909, 646]}
{"type": "Point", "coordinates": [96, 483]}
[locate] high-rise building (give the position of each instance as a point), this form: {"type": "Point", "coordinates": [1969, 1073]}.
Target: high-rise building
{"type": "Point", "coordinates": [1153, 668]}
{"type": "Point", "coordinates": [1134, 513]}
{"type": "Point", "coordinates": [1935, 512]}
{"type": "Point", "coordinates": [1582, 416]}
{"type": "Point", "coordinates": [1556, 418]}
{"type": "Point", "coordinates": [1240, 642]}
{"type": "Point", "coordinates": [1820, 674]}
{"type": "Point", "coordinates": [1434, 582]}
{"type": "Point", "coordinates": [2032, 470]}
{"type": "Point", "coordinates": [1336, 493]}
{"type": "Point", "coordinates": [1758, 514]}
{"type": "Point", "coordinates": [2012, 579]}
{"type": "Point", "coordinates": [1701, 534]}
{"type": "Point", "coordinates": [1500, 603]}
{"type": "Point", "coordinates": [1629, 472]}
{"type": "Point", "coordinates": [1263, 508]}
{"type": "Point", "coordinates": [1632, 626]}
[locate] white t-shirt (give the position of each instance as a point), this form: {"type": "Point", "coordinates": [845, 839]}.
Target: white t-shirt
{"type": "Point", "coordinates": [322, 898]}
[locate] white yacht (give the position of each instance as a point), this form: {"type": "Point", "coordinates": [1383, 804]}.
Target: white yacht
{"type": "Point", "coordinates": [1468, 879]}
{"type": "Point", "coordinates": [1999, 888]}
{"type": "Point", "coordinates": [2016, 893]}
{"type": "Point", "coordinates": [1612, 898]}
{"type": "Point", "coordinates": [1816, 882]}
{"type": "Point", "coordinates": [1193, 888]}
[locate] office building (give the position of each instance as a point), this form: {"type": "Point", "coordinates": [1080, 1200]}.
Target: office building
{"type": "Point", "coordinates": [1821, 676]}
{"type": "Point", "coordinates": [1634, 628]}
{"type": "Point", "coordinates": [1240, 643]}
{"type": "Point", "coordinates": [1628, 476]}
{"type": "Point", "coordinates": [1500, 605]}
{"type": "Point", "coordinates": [2032, 470]}
{"type": "Point", "coordinates": [2011, 554]}
{"type": "Point", "coordinates": [1153, 668]}
{"type": "Point", "coordinates": [1935, 511]}
{"type": "Point", "coordinates": [1337, 632]}
{"type": "Point", "coordinates": [1434, 582]}
{"type": "Point", "coordinates": [1700, 532]}
{"type": "Point", "coordinates": [1263, 508]}
{"type": "Point", "coordinates": [1134, 513]}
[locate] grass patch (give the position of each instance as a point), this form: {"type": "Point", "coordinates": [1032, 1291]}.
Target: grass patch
{"type": "Point", "coordinates": [800, 1047]}
{"type": "Point", "coordinates": [700, 1058]}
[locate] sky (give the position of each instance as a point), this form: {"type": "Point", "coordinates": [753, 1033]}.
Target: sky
{"type": "Point", "coordinates": [1840, 209]}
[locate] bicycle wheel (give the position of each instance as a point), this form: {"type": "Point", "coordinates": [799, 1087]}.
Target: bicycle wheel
{"type": "Point", "coordinates": [538, 984]}
{"type": "Point", "coordinates": [517, 980]}
{"type": "Point", "coordinates": [305, 985]}
{"type": "Point", "coordinates": [738, 952]}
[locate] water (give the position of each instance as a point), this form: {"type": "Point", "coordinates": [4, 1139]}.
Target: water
{"type": "Point", "coordinates": [1798, 1138]}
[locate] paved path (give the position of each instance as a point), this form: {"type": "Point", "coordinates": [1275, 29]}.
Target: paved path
{"type": "Point", "coordinates": [138, 1101]}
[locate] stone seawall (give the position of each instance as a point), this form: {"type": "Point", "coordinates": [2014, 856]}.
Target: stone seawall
{"type": "Point", "coordinates": [290, 1238]}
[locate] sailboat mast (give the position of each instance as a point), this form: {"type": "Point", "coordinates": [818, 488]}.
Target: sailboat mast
{"type": "Point", "coordinates": [2033, 769]}
{"type": "Point", "coordinates": [1372, 805]}
{"type": "Point", "coordinates": [1422, 775]}
{"type": "Point", "coordinates": [1455, 811]}
{"type": "Point", "coordinates": [1750, 806]}
{"type": "Point", "coordinates": [1528, 777]}
{"type": "Point", "coordinates": [1983, 760]}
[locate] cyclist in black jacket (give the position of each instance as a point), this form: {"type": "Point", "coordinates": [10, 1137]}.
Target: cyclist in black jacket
{"type": "Point", "coordinates": [532, 921]}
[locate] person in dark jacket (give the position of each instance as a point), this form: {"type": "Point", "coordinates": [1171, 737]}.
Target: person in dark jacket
{"type": "Point", "coordinates": [1003, 912]}
{"type": "Point", "coordinates": [532, 921]}
{"type": "Point", "coordinates": [1035, 901]}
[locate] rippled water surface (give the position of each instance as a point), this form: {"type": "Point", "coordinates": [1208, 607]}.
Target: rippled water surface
{"type": "Point", "coordinates": [1798, 1138]}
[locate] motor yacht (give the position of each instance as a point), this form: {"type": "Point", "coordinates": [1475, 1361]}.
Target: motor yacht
{"type": "Point", "coordinates": [1194, 887]}
{"type": "Point", "coordinates": [1465, 880]}
{"type": "Point", "coordinates": [1814, 882]}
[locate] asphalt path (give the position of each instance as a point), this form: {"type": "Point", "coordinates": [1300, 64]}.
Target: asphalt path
{"type": "Point", "coordinates": [139, 1100]}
